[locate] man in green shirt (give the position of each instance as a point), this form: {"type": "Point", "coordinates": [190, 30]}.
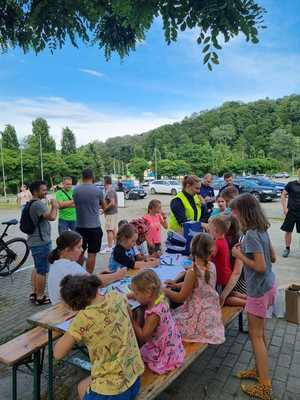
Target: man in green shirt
{"type": "Point", "coordinates": [67, 212]}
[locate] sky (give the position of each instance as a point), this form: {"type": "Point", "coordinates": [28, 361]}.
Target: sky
{"type": "Point", "coordinates": [155, 85]}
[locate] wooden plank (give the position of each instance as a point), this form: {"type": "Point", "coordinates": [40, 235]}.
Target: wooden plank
{"type": "Point", "coordinates": [153, 384]}
{"type": "Point", "coordinates": [24, 345]}
{"type": "Point", "coordinates": [51, 316]}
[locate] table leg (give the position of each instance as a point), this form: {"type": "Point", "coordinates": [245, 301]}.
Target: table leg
{"type": "Point", "coordinates": [14, 382]}
{"type": "Point", "coordinates": [50, 365]}
{"type": "Point", "coordinates": [36, 376]}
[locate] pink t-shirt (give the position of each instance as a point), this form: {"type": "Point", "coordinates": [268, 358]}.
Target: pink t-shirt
{"type": "Point", "coordinates": [153, 235]}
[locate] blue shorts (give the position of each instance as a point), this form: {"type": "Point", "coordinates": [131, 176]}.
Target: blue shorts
{"type": "Point", "coordinates": [40, 257]}
{"type": "Point", "coordinates": [129, 394]}
{"type": "Point", "coordinates": [64, 225]}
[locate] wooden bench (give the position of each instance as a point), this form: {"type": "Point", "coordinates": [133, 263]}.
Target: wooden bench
{"type": "Point", "coordinates": [26, 350]}
{"type": "Point", "coordinates": [152, 384]}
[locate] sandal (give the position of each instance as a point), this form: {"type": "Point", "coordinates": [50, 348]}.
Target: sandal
{"type": "Point", "coordinates": [32, 298]}
{"type": "Point", "coordinates": [248, 374]}
{"type": "Point", "coordinates": [258, 391]}
{"type": "Point", "coordinates": [43, 301]}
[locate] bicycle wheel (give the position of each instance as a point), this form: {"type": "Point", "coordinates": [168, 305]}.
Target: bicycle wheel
{"type": "Point", "coordinates": [13, 254]}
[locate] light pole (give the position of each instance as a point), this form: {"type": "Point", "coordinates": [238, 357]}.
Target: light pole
{"type": "Point", "coordinates": [22, 172]}
{"type": "Point", "coordinates": [41, 155]}
{"type": "Point", "coordinates": [3, 171]}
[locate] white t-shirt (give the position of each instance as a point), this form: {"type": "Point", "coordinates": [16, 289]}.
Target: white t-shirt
{"type": "Point", "coordinates": [58, 270]}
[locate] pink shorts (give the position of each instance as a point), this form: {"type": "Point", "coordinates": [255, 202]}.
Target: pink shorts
{"type": "Point", "coordinates": [259, 305]}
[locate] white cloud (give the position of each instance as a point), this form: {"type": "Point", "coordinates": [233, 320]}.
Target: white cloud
{"type": "Point", "coordinates": [92, 72]}
{"type": "Point", "coordinates": [87, 123]}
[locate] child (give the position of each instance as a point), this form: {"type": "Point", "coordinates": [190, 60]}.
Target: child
{"type": "Point", "coordinates": [140, 250]}
{"type": "Point", "coordinates": [257, 254]}
{"type": "Point", "coordinates": [126, 239]}
{"type": "Point", "coordinates": [104, 326]}
{"type": "Point", "coordinates": [234, 293]}
{"type": "Point", "coordinates": [229, 193]}
{"type": "Point", "coordinates": [64, 259]}
{"type": "Point", "coordinates": [221, 254]}
{"type": "Point", "coordinates": [163, 349]}
{"type": "Point", "coordinates": [156, 218]}
{"type": "Point", "coordinates": [199, 319]}
{"type": "Point", "coordinates": [222, 208]}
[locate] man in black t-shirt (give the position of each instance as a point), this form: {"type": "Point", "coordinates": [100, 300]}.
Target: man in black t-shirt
{"type": "Point", "coordinates": [291, 211]}
{"type": "Point", "coordinates": [228, 178]}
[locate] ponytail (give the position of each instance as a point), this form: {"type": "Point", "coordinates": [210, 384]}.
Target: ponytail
{"type": "Point", "coordinates": [201, 248]}
{"type": "Point", "coordinates": [54, 256]}
{"type": "Point", "coordinates": [67, 239]}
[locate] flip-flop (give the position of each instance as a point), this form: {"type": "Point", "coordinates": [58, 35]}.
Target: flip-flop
{"type": "Point", "coordinates": [43, 301]}
{"type": "Point", "coordinates": [32, 297]}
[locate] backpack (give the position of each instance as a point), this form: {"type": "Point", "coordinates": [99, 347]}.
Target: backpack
{"type": "Point", "coordinates": [26, 224]}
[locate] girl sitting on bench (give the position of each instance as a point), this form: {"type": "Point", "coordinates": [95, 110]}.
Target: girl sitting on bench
{"type": "Point", "coordinates": [104, 326]}
{"type": "Point", "coordinates": [199, 319]}
{"type": "Point", "coordinates": [162, 348]}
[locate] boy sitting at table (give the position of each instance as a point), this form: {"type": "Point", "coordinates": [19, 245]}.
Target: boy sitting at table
{"type": "Point", "coordinates": [103, 325]}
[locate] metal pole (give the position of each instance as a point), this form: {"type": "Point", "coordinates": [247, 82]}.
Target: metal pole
{"type": "Point", "coordinates": [41, 155]}
{"type": "Point", "coordinates": [155, 162]}
{"type": "Point", "coordinates": [114, 163]}
{"type": "Point", "coordinates": [3, 171]}
{"type": "Point", "coordinates": [22, 172]}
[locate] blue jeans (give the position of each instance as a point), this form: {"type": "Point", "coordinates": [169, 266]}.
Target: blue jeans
{"type": "Point", "coordinates": [40, 257]}
{"type": "Point", "coordinates": [129, 394]}
{"type": "Point", "coordinates": [64, 225]}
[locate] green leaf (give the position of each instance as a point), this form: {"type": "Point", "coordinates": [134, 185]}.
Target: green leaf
{"type": "Point", "coordinates": [206, 48]}
{"type": "Point", "coordinates": [183, 26]}
{"type": "Point", "coordinates": [199, 40]}
{"type": "Point", "coordinates": [207, 39]}
{"type": "Point", "coordinates": [206, 58]}
{"type": "Point", "coordinates": [209, 66]}
{"type": "Point", "coordinates": [254, 40]}
{"type": "Point", "coordinates": [215, 60]}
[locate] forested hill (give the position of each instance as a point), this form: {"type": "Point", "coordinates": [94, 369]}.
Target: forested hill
{"type": "Point", "coordinates": [260, 136]}
{"type": "Point", "coordinates": [256, 135]}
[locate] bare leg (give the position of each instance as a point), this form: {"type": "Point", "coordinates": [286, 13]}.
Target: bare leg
{"type": "Point", "coordinates": [256, 333]}
{"type": "Point", "coordinates": [288, 239]}
{"type": "Point", "coordinates": [110, 238]}
{"type": "Point", "coordinates": [40, 282]}
{"type": "Point", "coordinates": [90, 262]}
{"type": "Point", "coordinates": [33, 280]}
{"type": "Point", "coordinates": [83, 387]}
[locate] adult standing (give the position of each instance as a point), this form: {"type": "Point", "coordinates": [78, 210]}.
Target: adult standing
{"type": "Point", "coordinates": [186, 206]}
{"type": "Point", "coordinates": [208, 194]}
{"type": "Point", "coordinates": [228, 178]}
{"type": "Point", "coordinates": [290, 202]}
{"type": "Point", "coordinates": [23, 197]}
{"type": "Point", "coordinates": [87, 199]}
{"type": "Point", "coordinates": [39, 241]}
{"type": "Point", "coordinates": [110, 213]}
{"type": "Point", "coordinates": [67, 212]}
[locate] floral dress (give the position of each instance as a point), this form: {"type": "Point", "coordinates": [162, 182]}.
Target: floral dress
{"type": "Point", "coordinates": [199, 319]}
{"type": "Point", "coordinates": [164, 351]}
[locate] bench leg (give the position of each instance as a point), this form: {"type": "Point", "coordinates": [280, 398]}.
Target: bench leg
{"type": "Point", "coordinates": [14, 382]}
{"type": "Point", "coordinates": [50, 366]}
{"type": "Point", "coordinates": [36, 376]}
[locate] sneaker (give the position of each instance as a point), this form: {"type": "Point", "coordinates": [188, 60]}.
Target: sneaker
{"type": "Point", "coordinates": [107, 250]}
{"type": "Point", "coordinates": [258, 391]}
{"type": "Point", "coordinates": [248, 374]}
{"type": "Point", "coordinates": [286, 253]}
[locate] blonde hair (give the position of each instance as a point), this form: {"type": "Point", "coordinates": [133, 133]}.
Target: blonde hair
{"type": "Point", "coordinates": [190, 180]}
{"type": "Point", "coordinates": [201, 247]}
{"type": "Point", "coordinates": [147, 281]}
{"type": "Point", "coordinates": [153, 204]}
{"type": "Point", "coordinates": [220, 223]}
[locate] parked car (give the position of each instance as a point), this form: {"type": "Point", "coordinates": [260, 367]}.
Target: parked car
{"type": "Point", "coordinates": [261, 192]}
{"type": "Point", "coordinates": [135, 193]}
{"type": "Point", "coordinates": [165, 186]}
{"type": "Point", "coordinates": [281, 175]}
{"type": "Point", "coordinates": [267, 182]}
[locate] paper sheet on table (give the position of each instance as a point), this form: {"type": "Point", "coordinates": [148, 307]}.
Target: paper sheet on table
{"type": "Point", "coordinates": [64, 326]}
{"type": "Point", "coordinates": [171, 259]}
{"type": "Point", "coordinates": [168, 272]}
{"type": "Point", "coordinates": [122, 286]}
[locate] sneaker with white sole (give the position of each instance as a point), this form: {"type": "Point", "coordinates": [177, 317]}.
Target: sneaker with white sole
{"type": "Point", "coordinates": [286, 253]}
{"type": "Point", "coordinates": [107, 250]}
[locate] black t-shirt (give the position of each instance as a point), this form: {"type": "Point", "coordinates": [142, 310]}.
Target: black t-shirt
{"type": "Point", "coordinates": [121, 256]}
{"type": "Point", "coordinates": [293, 190]}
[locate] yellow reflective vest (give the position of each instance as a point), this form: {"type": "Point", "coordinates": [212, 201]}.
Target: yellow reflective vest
{"type": "Point", "coordinates": [189, 212]}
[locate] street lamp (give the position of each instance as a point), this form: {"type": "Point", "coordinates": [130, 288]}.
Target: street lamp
{"type": "Point", "coordinates": [3, 171]}
{"type": "Point", "coordinates": [41, 156]}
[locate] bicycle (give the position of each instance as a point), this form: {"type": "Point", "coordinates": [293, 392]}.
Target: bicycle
{"type": "Point", "coordinates": [13, 253]}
